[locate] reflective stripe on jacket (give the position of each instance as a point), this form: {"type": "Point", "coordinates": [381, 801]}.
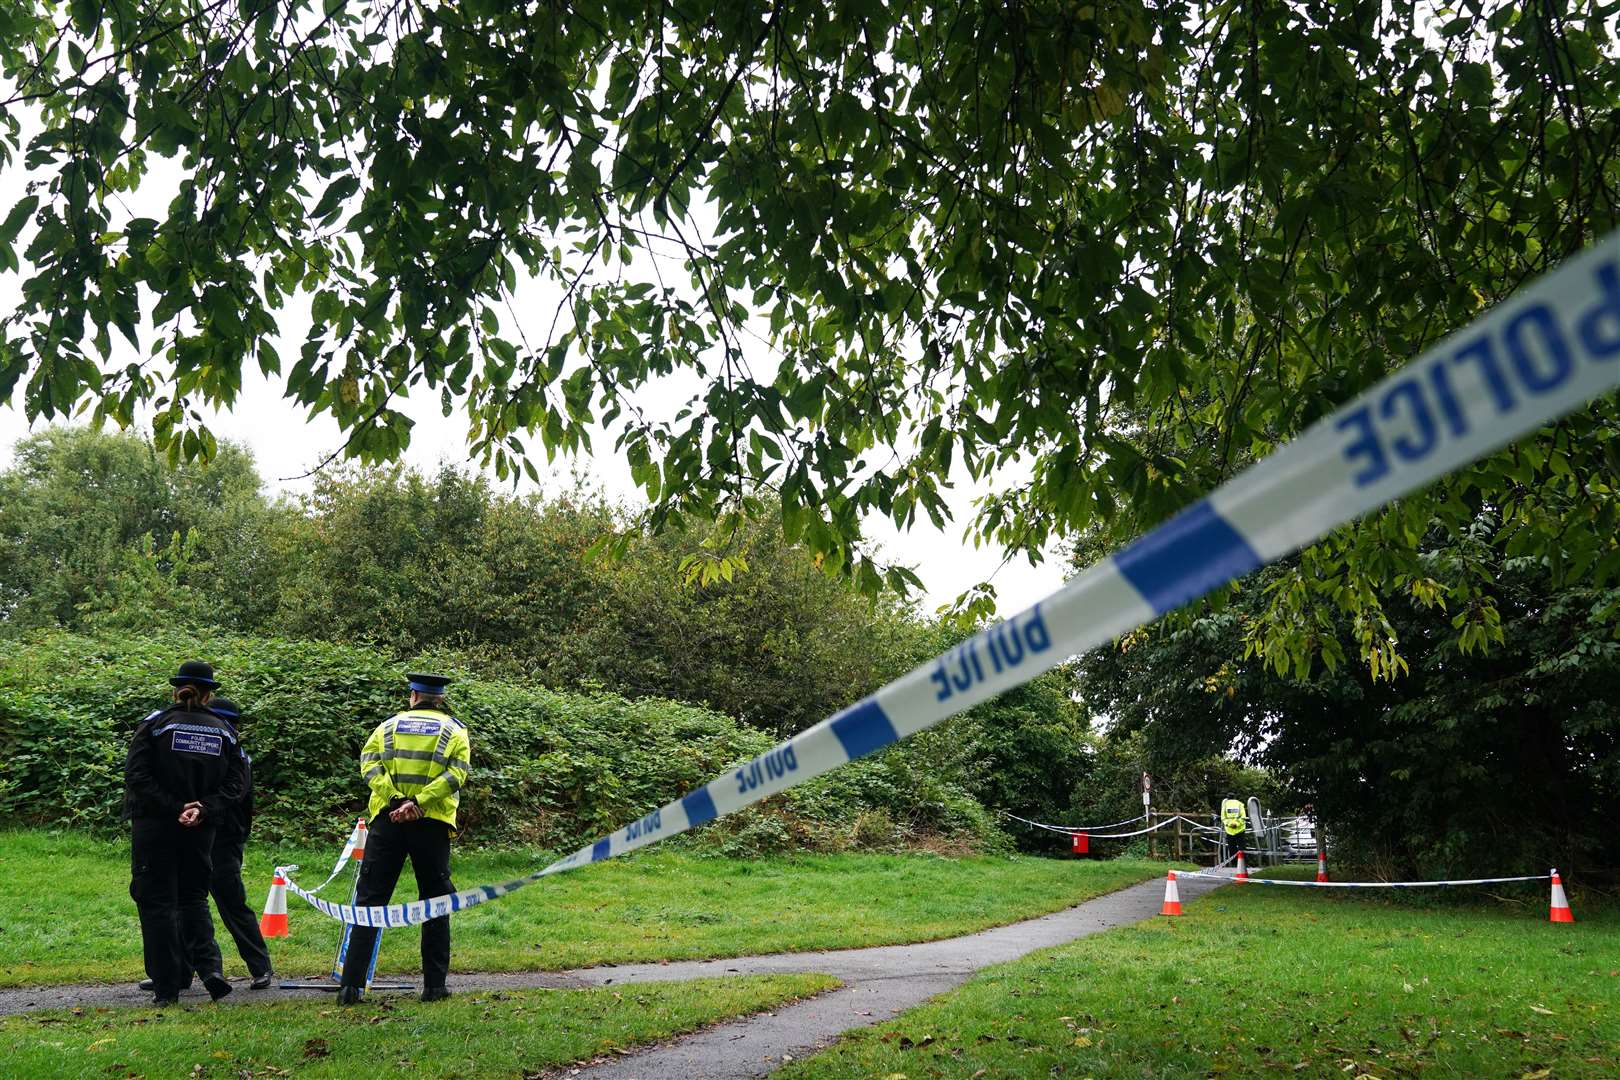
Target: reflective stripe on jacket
{"type": "Point", "coordinates": [421, 754]}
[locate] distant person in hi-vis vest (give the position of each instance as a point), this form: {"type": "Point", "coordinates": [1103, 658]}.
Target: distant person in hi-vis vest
{"type": "Point", "coordinates": [1235, 821]}
{"type": "Point", "coordinates": [416, 764]}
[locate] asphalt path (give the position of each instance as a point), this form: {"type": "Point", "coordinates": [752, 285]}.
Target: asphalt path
{"type": "Point", "coordinates": [878, 983]}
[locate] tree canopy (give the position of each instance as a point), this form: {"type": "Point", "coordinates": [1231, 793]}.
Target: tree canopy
{"type": "Point", "coordinates": [1136, 242]}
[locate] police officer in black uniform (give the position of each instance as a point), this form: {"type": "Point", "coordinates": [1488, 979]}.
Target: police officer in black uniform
{"type": "Point", "coordinates": [225, 883]}
{"type": "Point", "coordinates": [183, 775]}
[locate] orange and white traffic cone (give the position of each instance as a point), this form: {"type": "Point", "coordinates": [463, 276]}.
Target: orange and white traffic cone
{"type": "Point", "coordinates": [273, 923]}
{"type": "Point", "coordinates": [1172, 896]}
{"type": "Point", "coordinates": [1559, 911]}
{"type": "Point", "coordinates": [1242, 869]}
{"type": "Point", "coordinates": [357, 842]}
{"type": "Point", "coordinates": [1321, 866]}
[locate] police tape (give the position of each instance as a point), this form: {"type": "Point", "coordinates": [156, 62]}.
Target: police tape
{"type": "Point", "coordinates": [1360, 884]}
{"type": "Point", "coordinates": [1549, 348]}
{"type": "Point", "coordinates": [346, 858]}
{"type": "Point", "coordinates": [1071, 829]}
{"type": "Point", "coordinates": [1139, 832]}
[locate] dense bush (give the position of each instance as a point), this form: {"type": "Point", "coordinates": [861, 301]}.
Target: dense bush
{"type": "Point", "coordinates": [98, 534]}
{"type": "Point", "coordinates": [550, 769]}
{"type": "Point", "coordinates": [577, 658]}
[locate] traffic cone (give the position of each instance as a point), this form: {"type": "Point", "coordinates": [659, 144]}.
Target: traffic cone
{"type": "Point", "coordinates": [357, 842]}
{"type": "Point", "coordinates": [273, 923]}
{"type": "Point", "coordinates": [1560, 903]}
{"type": "Point", "coordinates": [1172, 897]}
{"type": "Point", "coordinates": [1243, 870]}
{"type": "Point", "coordinates": [1321, 866]}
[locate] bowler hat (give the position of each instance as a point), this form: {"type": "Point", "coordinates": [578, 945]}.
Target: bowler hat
{"type": "Point", "coordinates": [195, 673]}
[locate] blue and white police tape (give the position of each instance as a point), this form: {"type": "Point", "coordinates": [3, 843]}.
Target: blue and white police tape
{"type": "Point", "coordinates": [1548, 349]}
{"type": "Point", "coordinates": [345, 859]}
{"type": "Point", "coordinates": [1362, 884]}
{"type": "Point", "coordinates": [1070, 829]}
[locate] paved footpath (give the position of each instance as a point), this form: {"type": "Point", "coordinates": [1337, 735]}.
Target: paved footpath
{"type": "Point", "coordinates": [879, 983]}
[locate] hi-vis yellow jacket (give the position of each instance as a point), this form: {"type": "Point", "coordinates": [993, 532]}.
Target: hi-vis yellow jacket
{"type": "Point", "coordinates": [1233, 817]}
{"type": "Point", "coordinates": [421, 754]}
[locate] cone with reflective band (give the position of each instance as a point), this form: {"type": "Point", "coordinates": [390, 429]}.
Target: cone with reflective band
{"type": "Point", "coordinates": [1243, 869]}
{"type": "Point", "coordinates": [357, 842]}
{"type": "Point", "coordinates": [1560, 903]}
{"type": "Point", "coordinates": [273, 923]}
{"type": "Point", "coordinates": [1172, 897]}
{"type": "Point", "coordinates": [1321, 866]}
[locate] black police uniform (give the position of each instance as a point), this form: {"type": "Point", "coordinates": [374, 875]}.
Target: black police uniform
{"type": "Point", "coordinates": [180, 755]}
{"type": "Point", "coordinates": [225, 883]}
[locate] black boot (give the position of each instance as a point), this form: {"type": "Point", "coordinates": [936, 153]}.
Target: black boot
{"type": "Point", "coordinates": [217, 986]}
{"type": "Point", "coordinates": [435, 993]}
{"type": "Point", "coordinates": [349, 995]}
{"type": "Point", "coordinates": [262, 982]}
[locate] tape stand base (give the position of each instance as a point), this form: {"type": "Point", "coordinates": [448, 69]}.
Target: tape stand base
{"type": "Point", "coordinates": [332, 983]}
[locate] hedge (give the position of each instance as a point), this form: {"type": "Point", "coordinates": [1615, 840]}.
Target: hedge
{"type": "Point", "coordinates": [550, 769]}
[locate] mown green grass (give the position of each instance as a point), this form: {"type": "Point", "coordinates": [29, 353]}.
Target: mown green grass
{"type": "Point", "coordinates": [1260, 981]}
{"type": "Point", "coordinates": [505, 1034]}
{"type": "Point", "coordinates": [66, 915]}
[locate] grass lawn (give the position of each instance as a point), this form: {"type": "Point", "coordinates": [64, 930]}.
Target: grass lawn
{"type": "Point", "coordinates": [66, 915]}
{"type": "Point", "coordinates": [1277, 982]}
{"type": "Point", "coordinates": [506, 1034]}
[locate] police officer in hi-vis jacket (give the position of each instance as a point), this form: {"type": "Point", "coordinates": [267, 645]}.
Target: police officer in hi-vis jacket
{"type": "Point", "coordinates": [416, 764]}
{"type": "Point", "coordinates": [1235, 822]}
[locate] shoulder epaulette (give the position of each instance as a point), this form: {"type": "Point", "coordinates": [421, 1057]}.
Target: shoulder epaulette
{"type": "Point", "coordinates": [154, 715]}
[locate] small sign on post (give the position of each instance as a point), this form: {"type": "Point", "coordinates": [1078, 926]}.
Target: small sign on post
{"type": "Point", "coordinates": [1147, 814]}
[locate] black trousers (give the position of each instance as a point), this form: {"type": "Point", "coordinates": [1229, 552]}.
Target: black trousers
{"type": "Point", "coordinates": [230, 900]}
{"type": "Point", "coordinates": [427, 844]}
{"type": "Point", "coordinates": [170, 868]}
